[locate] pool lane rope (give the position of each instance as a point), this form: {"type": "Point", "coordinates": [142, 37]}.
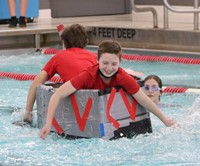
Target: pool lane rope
{"type": "Point", "coordinates": [180, 90]}
{"type": "Point", "coordinates": [28, 77]}
{"type": "Point", "coordinates": [129, 57]}
{"type": "Point", "coordinates": [25, 77]}
{"type": "Point", "coordinates": [161, 59]}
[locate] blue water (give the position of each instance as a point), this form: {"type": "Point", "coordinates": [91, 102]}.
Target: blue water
{"type": "Point", "coordinates": [179, 145]}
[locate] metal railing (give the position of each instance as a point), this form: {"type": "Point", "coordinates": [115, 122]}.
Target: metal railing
{"type": "Point", "coordinates": [168, 7]}
{"type": "Point", "coordinates": [196, 12]}
{"type": "Point", "coordinates": [147, 9]}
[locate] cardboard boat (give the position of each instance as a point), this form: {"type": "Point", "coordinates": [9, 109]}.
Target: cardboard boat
{"type": "Point", "coordinates": [108, 114]}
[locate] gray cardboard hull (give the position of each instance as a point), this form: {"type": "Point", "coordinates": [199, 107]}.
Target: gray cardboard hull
{"type": "Point", "coordinates": [96, 124]}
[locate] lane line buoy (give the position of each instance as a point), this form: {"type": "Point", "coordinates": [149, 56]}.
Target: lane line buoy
{"type": "Point", "coordinates": [134, 57]}
{"type": "Point", "coordinates": [28, 77]}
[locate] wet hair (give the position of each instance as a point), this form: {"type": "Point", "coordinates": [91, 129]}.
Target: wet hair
{"type": "Point", "coordinates": [109, 46]}
{"type": "Point", "coordinates": [75, 36]}
{"type": "Point", "coordinates": [157, 79]}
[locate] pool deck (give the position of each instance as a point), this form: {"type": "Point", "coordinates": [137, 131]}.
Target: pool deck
{"type": "Point", "coordinates": [187, 39]}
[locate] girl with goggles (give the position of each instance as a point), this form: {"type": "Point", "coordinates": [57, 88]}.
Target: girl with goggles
{"type": "Point", "coordinates": [153, 88]}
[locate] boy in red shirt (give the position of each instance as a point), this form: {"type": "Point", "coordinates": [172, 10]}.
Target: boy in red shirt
{"type": "Point", "coordinates": [66, 63]}
{"type": "Point", "coordinates": [105, 74]}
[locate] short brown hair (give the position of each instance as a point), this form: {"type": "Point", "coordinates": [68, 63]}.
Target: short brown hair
{"type": "Point", "coordinates": [75, 36]}
{"type": "Point", "coordinates": [109, 46]}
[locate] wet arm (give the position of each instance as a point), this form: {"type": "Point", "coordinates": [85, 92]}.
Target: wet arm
{"type": "Point", "coordinates": [64, 91]}
{"type": "Point", "coordinates": [41, 78]}
{"type": "Point", "coordinates": [133, 73]}
{"type": "Point", "coordinates": [148, 104]}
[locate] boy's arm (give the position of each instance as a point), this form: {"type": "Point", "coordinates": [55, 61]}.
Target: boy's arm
{"type": "Point", "coordinates": [63, 91]}
{"type": "Point", "coordinates": [145, 101]}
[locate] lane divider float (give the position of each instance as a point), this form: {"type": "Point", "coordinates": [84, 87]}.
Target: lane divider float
{"type": "Point", "coordinates": [25, 77]}
{"type": "Point", "coordinates": [28, 77]}
{"type": "Point", "coordinates": [180, 90]}
{"type": "Point", "coordinates": [134, 57]}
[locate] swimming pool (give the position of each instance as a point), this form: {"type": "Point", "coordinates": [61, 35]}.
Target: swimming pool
{"type": "Point", "coordinates": [165, 146]}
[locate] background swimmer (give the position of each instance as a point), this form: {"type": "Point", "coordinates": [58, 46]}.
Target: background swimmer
{"type": "Point", "coordinates": [153, 88]}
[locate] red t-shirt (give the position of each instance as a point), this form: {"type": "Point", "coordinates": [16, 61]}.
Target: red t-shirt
{"type": "Point", "coordinates": [70, 62]}
{"type": "Point", "coordinates": [90, 79]}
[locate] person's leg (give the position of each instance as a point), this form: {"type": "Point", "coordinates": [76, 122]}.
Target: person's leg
{"type": "Point", "coordinates": [23, 8]}
{"type": "Point", "coordinates": [12, 9]}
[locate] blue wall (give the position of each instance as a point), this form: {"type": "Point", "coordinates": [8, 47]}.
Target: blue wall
{"type": "Point", "coordinates": [32, 10]}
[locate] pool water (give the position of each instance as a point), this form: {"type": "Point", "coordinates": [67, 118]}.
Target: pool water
{"type": "Point", "coordinates": [179, 145]}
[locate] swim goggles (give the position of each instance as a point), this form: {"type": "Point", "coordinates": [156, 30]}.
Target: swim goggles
{"type": "Point", "coordinates": [154, 88]}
